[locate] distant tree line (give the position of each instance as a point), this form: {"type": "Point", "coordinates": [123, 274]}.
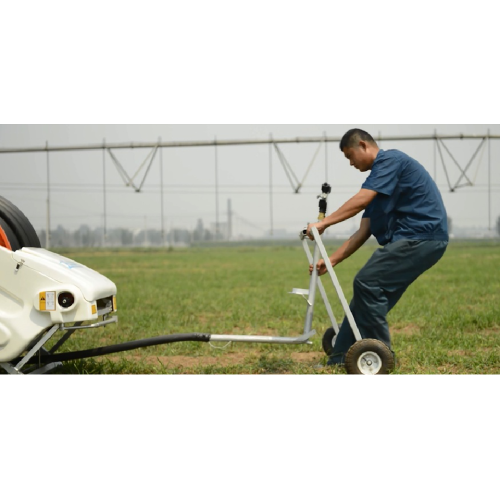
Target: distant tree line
{"type": "Point", "coordinates": [85, 236]}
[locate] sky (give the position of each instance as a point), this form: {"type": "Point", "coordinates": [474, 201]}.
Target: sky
{"type": "Point", "coordinates": [80, 181]}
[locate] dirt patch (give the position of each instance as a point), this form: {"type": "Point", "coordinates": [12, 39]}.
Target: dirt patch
{"type": "Point", "coordinates": [410, 329]}
{"type": "Point", "coordinates": [449, 369]}
{"type": "Point", "coordinates": [228, 359]}
{"type": "Point", "coordinates": [459, 352]}
{"type": "Point", "coordinates": [490, 331]}
{"type": "Point", "coordinates": [307, 357]}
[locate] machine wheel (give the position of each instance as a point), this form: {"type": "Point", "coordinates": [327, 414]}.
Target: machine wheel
{"type": "Point", "coordinates": [7, 237]}
{"type": "Point", "coordinates": [369, 357]}
{"type": "Point", "coordinates": [327, 341]}
{"type": "Point", "coordinates": [17, 229]}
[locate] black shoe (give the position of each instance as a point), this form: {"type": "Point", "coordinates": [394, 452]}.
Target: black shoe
{"type": "Point", "coordinates": [334, 362]}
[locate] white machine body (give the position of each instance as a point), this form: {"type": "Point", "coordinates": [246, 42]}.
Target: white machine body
{"type": "Point", "coordinates": [39, 289]}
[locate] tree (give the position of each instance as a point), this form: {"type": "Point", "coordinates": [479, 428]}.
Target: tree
{"type": "Point", "coordinates": [498, 226]}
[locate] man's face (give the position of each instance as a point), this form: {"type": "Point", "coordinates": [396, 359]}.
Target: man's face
{"type": "Point", "coordinates": [359, 156]}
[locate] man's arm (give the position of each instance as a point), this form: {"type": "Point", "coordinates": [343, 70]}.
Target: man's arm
{"type": "Point", "coordinates": [349, 209]}
{"type": "Point", "coordinates": [356, 241]}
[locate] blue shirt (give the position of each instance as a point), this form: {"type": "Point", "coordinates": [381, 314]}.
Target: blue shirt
{"type": "Point", "coordinates": [408, 204]}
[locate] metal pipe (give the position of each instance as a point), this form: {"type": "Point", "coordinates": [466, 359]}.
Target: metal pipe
{"type": "Point", "coordinates": [326, 157]}
{"type": "Point", "coordinates": [321, 288]}
{"type": "Point", "coordinates": [435, 163]}
{"type": "Point", "coordinates": [261, 339]}
{"type": "Point", "coordinates": [489, 181]}
{"type": "Point", "coordinates": [46, 337]}
{"type": "Point", "coordinates": [47, 239]}
{"type": "Point", "coordinates": [312, 291]}
{"type": "Point", "coordinates": [464, 171]}
{"type": "Point", "coordinates": [114, 319]}
{"type": "Point", "coordinates": [63, 339]}
{"type": "Point", "coordinates": [229, 220]}
{"type": "Point", "coordinates": [216, 192]}
{"type": "Point", "coordinates": [237, 142]}
{"type": "Point", "coordinates": [161, 196]}
{"type": "Point", "coordinates": [104, 231]}
{"type": "Point", "coordinates": [271, 184]}
{"type": "Point", "coordinates": [444, 166]}
{"type": "Point", "coordinates": [336, 284]}
{"type": "Point", "coordinates": [153, 153]}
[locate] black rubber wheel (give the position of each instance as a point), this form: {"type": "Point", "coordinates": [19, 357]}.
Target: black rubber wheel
{"type": "Point", "coordinates": [369, 357]}
{"type": "Point", "coordinates": [327, 342]}
{"type": "Point", "coordinates": [7, 237]}
{"type": "Point", "coordinates": [18, 224]}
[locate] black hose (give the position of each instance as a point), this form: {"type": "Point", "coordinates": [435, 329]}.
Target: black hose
{"type": "Point", "coordinates": [126, 346]}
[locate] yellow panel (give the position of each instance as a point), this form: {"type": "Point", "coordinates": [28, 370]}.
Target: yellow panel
{"type": "Point", "coordinates": [94, 309]}
{"type": "Point", "coordinates": [43, 301]}
{"type": "Point", "coordinates": [114, 303]}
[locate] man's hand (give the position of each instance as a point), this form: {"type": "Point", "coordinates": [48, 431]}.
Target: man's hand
{"type": "Point", "coordinates": [321, 267]}
{"type": "Point", "coordinates": [319, 226]}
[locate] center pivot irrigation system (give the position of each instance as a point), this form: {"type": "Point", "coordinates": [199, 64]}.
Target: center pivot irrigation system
{"type": "Point", "coordinates": [43, 294]}
{"type": "Point", "coordinates": [466, 176]}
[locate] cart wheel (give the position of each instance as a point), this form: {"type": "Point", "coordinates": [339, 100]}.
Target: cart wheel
{"type": "Point", "coordinates": [17, 229]}
{"type": "Point", "coordinates": [369, 357]}
{"type": "Point", "coordinates": [328, 341]}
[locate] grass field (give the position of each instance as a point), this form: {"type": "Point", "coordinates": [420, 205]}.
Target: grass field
{"type": "Point", "coordinates": [448, 322]}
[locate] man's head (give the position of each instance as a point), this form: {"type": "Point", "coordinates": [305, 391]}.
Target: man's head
{"type": "Point", "coordinates": [359, 148]}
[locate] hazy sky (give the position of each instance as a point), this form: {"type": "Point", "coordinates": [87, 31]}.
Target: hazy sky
{"type": "Point", "coordinates": [243, 173]}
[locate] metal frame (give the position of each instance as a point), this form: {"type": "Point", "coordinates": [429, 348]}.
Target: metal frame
{"type": "Point", "coordinates": [293, 179]}
{"type": "Point", "coordinates": [38, 347]}
{"type": "Point", "coordinates": [314, 283]}
{"type": "Point", "coordinates": [236, 142]}
{"type": "Point", "coordinates": [295, 183]}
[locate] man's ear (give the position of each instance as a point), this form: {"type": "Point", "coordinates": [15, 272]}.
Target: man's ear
{"type": "Point", "coordinates": [362, 145]}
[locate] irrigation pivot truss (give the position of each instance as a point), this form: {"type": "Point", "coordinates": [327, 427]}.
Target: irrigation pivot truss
{"type": "Point", "coordinates": [136, 182]}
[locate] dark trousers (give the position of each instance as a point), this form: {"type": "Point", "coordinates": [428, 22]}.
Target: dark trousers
{"type": "Point", "coordinates": [380, 284]}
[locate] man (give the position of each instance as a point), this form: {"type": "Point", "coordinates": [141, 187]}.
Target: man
{"type": "Point", "coordinates": [405, 212]}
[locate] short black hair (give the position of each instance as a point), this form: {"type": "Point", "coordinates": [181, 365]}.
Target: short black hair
{"type": "Point", "coordinates": [353, 136]}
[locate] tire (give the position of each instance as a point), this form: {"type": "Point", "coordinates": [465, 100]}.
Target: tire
{"type": "Point", "coordinates": [369, 357]}
{"type": "Point", "coordinates": [328, 340]}
{"type": "Point", "coordinates": [7, 237]}
{"type": "Point", "coordinates": [19, 225]}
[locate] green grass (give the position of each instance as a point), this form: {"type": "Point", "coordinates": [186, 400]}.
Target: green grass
{"type": "Point", "coordinates": [447, 322]}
